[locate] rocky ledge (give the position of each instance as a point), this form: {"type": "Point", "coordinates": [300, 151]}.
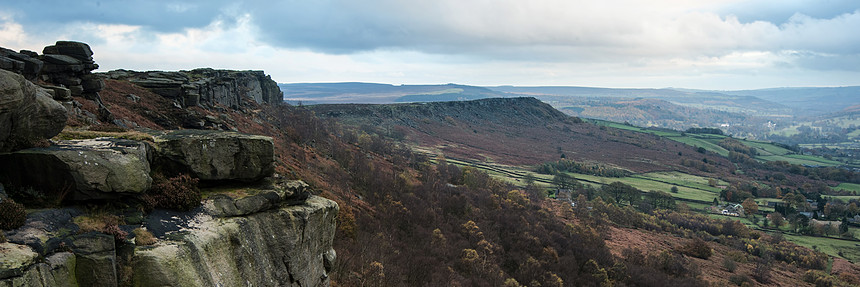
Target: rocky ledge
{"type": "Point", "coordinates": [206, 86]}
{"type": "Point", "coordinates": [286, 243]}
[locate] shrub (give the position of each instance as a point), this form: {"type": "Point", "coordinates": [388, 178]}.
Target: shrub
{"type": "Point", "coordinates": [729, 264]}
{"type": "Point", "coordinates": [12, 214]}
{"type": "Point", "coordinates": [697, 248]}
{"type": "Point", "coordinates": [740, 280]}
{"type": "Point", "coordinates": [142, 237]}
{"type": "Point", "coordinates": [2, 238]}
{"type": "Point", "coordinates": [113, 229]}
{"type": "Point", "coordinates": [104, 223]}
{"type": "Point", "coordinates": [179, 193]}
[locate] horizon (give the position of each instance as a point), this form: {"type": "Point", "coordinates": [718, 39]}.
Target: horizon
{"type": "Point", "coordinates": [716, 45]}
{"type": "Point", "coordinates": [571, 86]}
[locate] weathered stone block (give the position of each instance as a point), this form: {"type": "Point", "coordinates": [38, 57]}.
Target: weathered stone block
{"type": "Point", "coordinates": [27, 113]}
{"type": "Point", "coordinates": [216, 155]}
{"type": "Point", "coordinates": [90, 169]}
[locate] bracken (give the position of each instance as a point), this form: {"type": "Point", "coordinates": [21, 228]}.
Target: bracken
{"type": "Point", "coordinates": [12, 214]}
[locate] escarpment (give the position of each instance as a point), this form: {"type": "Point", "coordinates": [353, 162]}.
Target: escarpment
{"type": "Point", "coordinates": [206, 86]}
{"type": "Point", "coordinates": [101, 194]}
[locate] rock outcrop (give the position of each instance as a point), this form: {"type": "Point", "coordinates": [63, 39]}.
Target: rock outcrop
{"type": "Point", "coordinates": [27, 113]}
{"type": "Point", "coordinates": [89, 169]}
{"type": "Point", "coordinates": [288, 246]}
{"type": "Point", "coordinates": [64, 70]}
{"type": "Point", "coordinates": [206, 86]}
{"type": "Point", "coordinates": [215, 155]}
{"type": "Point", "coordinates": [25, 63]}
{"type": "Point", "coordinates": [285, 244]}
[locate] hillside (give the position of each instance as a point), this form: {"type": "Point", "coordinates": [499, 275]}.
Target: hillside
{"type": "Point", "coordinates": [506, 137]}
{"type": "Point", "coordinates": [516, 131]}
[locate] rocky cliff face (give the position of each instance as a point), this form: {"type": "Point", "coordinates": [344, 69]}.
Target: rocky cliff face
{"type": "Point", "coordinates": [206, 86]}
{"type": "Point", "coordinates": [281, 245]}
{"type": "Point", "coordinates": [257, 233]}
{"type": "Point", "coordinates": [252, 229]}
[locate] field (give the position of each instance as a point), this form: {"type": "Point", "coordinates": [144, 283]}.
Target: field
{"type": "Point", "coordinates": [848, 187]}
{"type": "Point", "coordinates": [850, 249]}
{"type": "Point", "coordinates": [767, 151]}
{"type": "Point", "coordinates": [800, 159]}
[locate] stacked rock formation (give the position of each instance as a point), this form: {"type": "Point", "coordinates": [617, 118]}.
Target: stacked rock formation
{"type": "Point", "coordinates": [64, 70]}
{"type": "Point", "coordinates": [71, 64]}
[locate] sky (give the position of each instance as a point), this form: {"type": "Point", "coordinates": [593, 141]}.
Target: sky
{"type": "Point", "coordinates": [701, 44]}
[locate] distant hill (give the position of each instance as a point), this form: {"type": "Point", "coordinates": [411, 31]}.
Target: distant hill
{"type": "Point", "coordinates": [699, 99]}
{"type": "Point", "coordinates": [756, 114]}
{"type": "Point", "coordinates": [369, 93]}
{"type": "Point", "coordinates": [808, 101]}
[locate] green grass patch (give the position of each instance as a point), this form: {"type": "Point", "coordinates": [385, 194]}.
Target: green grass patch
{"type": "Point", "coordinates": [683, 179]}
{"type": "Point", "coordinates": [800, 160]}
{"type": "Point", "coordinates": [830, 246]}
{"type": "Point", "coordinates": [766, 148]}
{"type": "Point", "coordinates": [706, 143]}
{"type": "Point", "coordinates": [843, 198]}
{"type": "Point", "coordinates": [848, 187]}
{"type": "Point", "coordinates": [646, 184]}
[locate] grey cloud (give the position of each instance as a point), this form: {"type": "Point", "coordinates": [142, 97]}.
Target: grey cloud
{"type": "Point", "coordinates": [156, 15]}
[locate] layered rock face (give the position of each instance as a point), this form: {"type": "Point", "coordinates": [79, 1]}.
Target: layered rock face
{"type": "Point", "coordinates": [108, 168]}
{"type": "Point", "coordinates": [280, 245]}
{"type": "Point", "coordinates": [206, 86]}
{"type": "Point", "coordinates": [288, 246]}
{"type": "Point", "coordinates": [259, 234]}
{"type": "Point", "coordinates": [27, 113]}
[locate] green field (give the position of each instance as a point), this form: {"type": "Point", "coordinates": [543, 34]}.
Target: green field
{"type": "Point", "coordinates": [692, 190]}
{"type": "Point", "coordinates": [843, 198]}
{"type": "Point", "coordinates": [830, 246]}
{"type": "Point", "coordinates": [848, 187]}
{"type": "Point", "coordinates": [767, 151]}
{"type": "Point", "coordinates": [801, 159]}
{"type": "Point", "coordinates": [766, 148]}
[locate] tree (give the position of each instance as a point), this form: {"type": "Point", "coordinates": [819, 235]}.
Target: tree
{"type": "Point", "coordinates": [750, 207]}
{"type": "Point", "coordinates": [776, 218]}
{"type": "Point", "coordinates": [660, 200]}
{"type": "Point", "coordinates": [674, 189]}
{"type": "Point", "coordinates": [622, 192]}
{"type": "Point", "coordinates": [716, 202]}
{"type": "Point", "coordinates": [529, 178]}
{"type": "Point", "coordinates": [843, 227]}
{"type": "Point", "coordinates": [564, 181]}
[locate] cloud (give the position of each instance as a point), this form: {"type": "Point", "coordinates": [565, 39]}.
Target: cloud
{"type": "Point", "coordinates": [486, 42]}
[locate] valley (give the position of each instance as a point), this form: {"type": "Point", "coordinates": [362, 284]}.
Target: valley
{"type": "Point", "coordinates": [695, 187]}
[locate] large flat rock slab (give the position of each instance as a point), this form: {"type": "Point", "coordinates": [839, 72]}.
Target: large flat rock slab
{"type": "Point", "coordinates": [101, 168]}
{"type": "Point", "coordinates": [215, 155]}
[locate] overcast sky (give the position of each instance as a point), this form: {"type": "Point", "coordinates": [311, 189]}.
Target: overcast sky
{"type": "Point", "coordinates": [708, 44]}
